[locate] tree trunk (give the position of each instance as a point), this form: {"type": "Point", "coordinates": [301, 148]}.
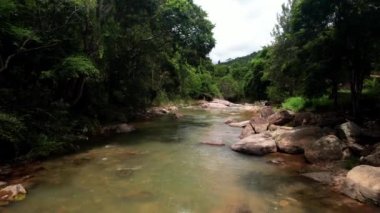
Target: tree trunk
{"type": "Point", "coordinates": [356, 90]}
{"type": "Point", "coordinates": [334, 93]}
{"type": "Point", "coordinates": [80, 92]}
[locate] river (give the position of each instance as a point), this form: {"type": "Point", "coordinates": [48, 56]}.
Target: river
{"type": "Point", "coordinates": [162, 167]}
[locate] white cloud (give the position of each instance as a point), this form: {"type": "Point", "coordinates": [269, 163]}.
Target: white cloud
{"type": "Point", "coordinates": [241, 26]}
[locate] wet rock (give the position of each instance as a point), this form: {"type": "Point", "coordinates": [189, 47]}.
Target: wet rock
{"type": "Point", "coordinates": [229, 120]}
{"type": "Point", "coordinates": [327, 148]}
{"type": "Point", "coordinates": [259, 125]}
{"type": "Point", "coordinates": [258, 144]}
{"type": "Point", "coordinates": [293, 142]}
{"type": "Point", "coordinates": [127, 172]}
{"type": "Point", "coordinates": [247, 131]}
{"type": "Point", "coordinates": [321, 177]}
{"type": "Point", "coordinates": [363, 183]}
{"type": "Point", "coordinates": [118, 129]}
{"type": "Point", "coordinates": [280, 118]}
{"type": "Point", "coordinates": [239, 124]}
{"type": "Point", "coordinates": [265, 112]}
{"type": "Point", "coordinates": [349, 131]}
{"type": "Point", "coordinates": [213, 143]}
{"type": "Point", "coordinates": [277, 161]}
{"type": "Point", "coordinates": [13, 193]}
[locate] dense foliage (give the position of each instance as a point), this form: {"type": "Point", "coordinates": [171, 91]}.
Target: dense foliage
{"type": "Point", "coordinates": [66, 65]}
{"type": "Point", "coordinates": [320, 47]}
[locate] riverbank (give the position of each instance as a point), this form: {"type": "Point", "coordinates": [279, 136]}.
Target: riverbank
{"type": "Point", "coordinates": [173, 131]}
{"type": "Point", "coordinates": [338, 152]}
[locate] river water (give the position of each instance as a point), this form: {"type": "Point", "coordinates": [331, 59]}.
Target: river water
{"type": "Point", "coordinates": [162, 167]}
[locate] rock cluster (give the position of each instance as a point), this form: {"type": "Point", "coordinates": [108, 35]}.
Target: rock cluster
{"type": "Point", "coordinates": [323, 140]}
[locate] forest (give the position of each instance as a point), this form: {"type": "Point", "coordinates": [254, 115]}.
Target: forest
{"type": "Point", "coordinates": [70, 66]}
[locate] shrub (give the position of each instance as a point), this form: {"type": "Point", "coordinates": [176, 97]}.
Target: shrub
{"type": "Point", "coordinates": [295, 104]}
{"type": "Point", "coordinates": [321, 103]}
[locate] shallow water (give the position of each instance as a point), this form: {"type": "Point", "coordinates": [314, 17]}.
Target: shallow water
{"type": "Point", "coordinates": [163, 168]}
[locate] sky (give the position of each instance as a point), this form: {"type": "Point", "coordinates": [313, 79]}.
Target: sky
{"type": "Point", "coordinates": [241, 26]}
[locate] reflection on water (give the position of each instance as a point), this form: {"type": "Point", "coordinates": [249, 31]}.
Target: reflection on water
{"type": "Point", "coordinates": [163, 168]}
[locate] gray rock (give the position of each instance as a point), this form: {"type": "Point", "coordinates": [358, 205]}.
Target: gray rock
{"type": "Point", "coordinates": [349, 131]}
{"type": "Point", "coordinates": [258, 144]}
{"type": "Point", "coordinates": [293, 142]}
{"type": "Point", "coordinates": [327, 148]}
{"type": "Point", "coordinates": [363, 183]}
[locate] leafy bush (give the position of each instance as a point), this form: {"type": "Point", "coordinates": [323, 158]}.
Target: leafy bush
{"type": "Point", "coordinates": [44, 147]}
{"type": "Point", "coordinates": [295, 104]}
{"type": "Point", "coordinates": [323, 102]}
{"type": "Point", "coordinates": [11, 128]}
{"type": "Point", "coordinates": [372, 87]}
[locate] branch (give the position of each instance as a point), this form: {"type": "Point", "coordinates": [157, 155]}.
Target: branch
{"type": "Point", "coordinates": [21, 50]}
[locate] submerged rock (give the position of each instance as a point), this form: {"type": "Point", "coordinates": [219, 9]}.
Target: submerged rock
{"type": "Point", "coordinates": [213, 143]}
{"type": "Point", "coordinates": [327, 148]}
{"type": "Point", "coordinates": [293, 142]}
{"type": "Point", "coordinates": [321, 177]}
{"type": "Point", "coordinates": [259, 144]}
{"type": "Point", "coordinates": [363, 183]}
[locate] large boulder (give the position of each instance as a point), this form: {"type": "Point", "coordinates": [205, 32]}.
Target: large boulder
{"type": "Point", "coordinates": [259, 125]}
{"type": "Point", "coordinates": [258, 144]}
{"type": "Point", "coordinates": [280, 118]}
{"type": "Point", "coordinates": [247, 131]}
{"type": "Point", "coordinates": [363, 183]}
{"type": "Point", "coordinates": [265, 112]}
{"type": "Point", "coordinates": [349, 131]}
{"type": "Point", "coordinates": [293, 142]}
{"type": "Point", "coordinates": [373, 158]}
{"type": "Point", "coordinates": [327, 148]}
